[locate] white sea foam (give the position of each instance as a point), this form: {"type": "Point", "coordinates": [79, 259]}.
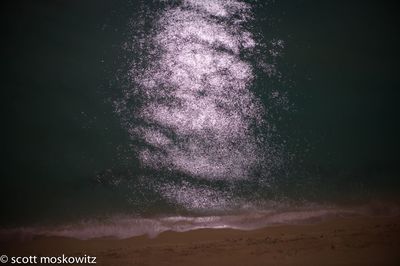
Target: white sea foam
{"type": "Point", "coordinates": [246, 219]}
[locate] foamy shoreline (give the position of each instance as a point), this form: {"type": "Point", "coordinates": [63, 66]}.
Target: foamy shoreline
{"type": "Point", "coordinates": [349, 241]}
{"type": "Point", "coordinates": [124, 226]}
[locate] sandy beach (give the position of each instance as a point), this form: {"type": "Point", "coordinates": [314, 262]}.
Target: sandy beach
{"type": "Point", "coordinates": [350, 241]}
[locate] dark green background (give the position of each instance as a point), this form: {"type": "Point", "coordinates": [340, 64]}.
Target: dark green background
{"type": "Point", "coordinates": [339, 67]}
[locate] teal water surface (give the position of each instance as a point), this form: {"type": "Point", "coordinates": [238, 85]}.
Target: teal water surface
{"type": "Point", "coordinates": [66, 155]}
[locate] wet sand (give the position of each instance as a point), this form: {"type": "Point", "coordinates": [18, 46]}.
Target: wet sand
{"type": "Point", "coordinates": [350, 241]}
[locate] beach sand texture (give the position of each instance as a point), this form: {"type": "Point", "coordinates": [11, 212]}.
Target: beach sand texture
{"type": "Point", "coordinates": [350, 241]}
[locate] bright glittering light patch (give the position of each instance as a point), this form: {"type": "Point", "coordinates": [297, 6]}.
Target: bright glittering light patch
{"type": "Point", "coordinates": [196, 113]}
{"type": "Point", "coordinates": [195, 198]}
{"type": "Point", "coordinates": [219, 8]}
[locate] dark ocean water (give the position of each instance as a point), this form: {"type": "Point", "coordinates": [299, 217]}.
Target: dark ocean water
{"type": "Point", "coordinates": [102, 122]}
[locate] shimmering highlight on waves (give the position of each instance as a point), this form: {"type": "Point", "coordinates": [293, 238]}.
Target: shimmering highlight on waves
{"type": "Point", "coordinates": [197, 110]}
{"type": "Point", "coordinates": [189, 107]}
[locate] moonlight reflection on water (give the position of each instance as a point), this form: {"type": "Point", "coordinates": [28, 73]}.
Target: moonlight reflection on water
{"type": "Point", "coordinates": [197, 114]}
